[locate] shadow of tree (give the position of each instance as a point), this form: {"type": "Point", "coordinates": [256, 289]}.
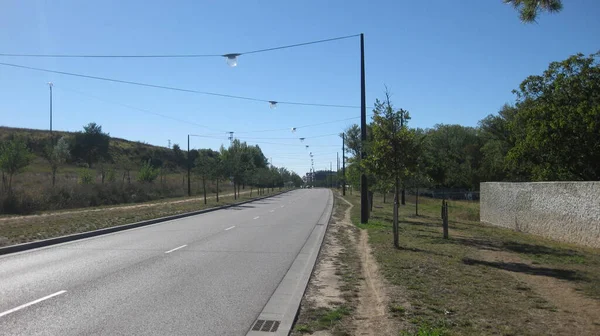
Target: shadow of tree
{"type": "Point", "coordinates": [537, 249]}
{"type": "Point", "coordinates": [527, 269]}
{"type": "Point", "coordinates": [513, 246]}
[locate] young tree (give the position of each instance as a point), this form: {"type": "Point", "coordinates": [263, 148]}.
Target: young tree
{"type": "Point", "coordinates": [393, 150]}
{"type": "Point", "coordinates": [14, 156]}
{"type": "Point", "coordinates": [56, 156]}
{"type": "Point", "coordinates": [148, 173]}
{"type": "Point", "coordinates": [205, 166]}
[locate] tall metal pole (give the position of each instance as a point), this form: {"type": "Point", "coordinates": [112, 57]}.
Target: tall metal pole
{"type": "Point", "coordinates": [330, 176]}
{"type": "Point", "coordinates": [51, 137]}
{"type": "Point", "coordinates": [364, 201]}
{"type": "Point", "coordinates": [189, 166]}
{"type": "Point", "coordinates": [344, 164]}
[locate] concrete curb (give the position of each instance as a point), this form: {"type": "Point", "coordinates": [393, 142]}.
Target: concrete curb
{"type": "Point", "coordinates": [99, 232]}
{"type": "Point", "coordinates": [284, 303]}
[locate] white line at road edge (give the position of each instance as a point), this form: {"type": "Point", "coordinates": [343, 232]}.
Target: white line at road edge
{"type": "Point", "coordinates": [32, 303]}
{"type": "Point", "coordinates": [229, 228]}
{"type": "Point", "coordinates": [272, 211]}
{"type": "Point", "coordinates": [257, 217]}
{"type": "Point", "coordinates": [283, 206]}
{"type": "Point", "coordinates": [175, 249]}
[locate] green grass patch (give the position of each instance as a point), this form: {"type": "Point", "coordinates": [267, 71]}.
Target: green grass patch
{"type": "Point", "coordinates": [451, 289]}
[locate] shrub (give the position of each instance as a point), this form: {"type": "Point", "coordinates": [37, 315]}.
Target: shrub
{"type": "Point", "coordinates": [85, 177]}
{"type": "Point", "coordinates": [147, 173]}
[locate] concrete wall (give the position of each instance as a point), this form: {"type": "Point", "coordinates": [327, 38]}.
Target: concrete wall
{"type": "Point", "coordinates": [567, 211]}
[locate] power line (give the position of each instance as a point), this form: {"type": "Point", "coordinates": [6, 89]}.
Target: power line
{"type": "Point", "coordinates": [289, 138]}
{"type": "Point", "coordinates": [172, 88]}
{"type": "Point", "coordinates": [303, 126]}
{"type": "Point", "coordinates": [138, 109]}
{"type": "Point", "coordinates": [179, 55]}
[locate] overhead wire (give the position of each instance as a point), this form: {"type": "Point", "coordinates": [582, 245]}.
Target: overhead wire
{"type": "Point", "coordinates": [178, 55]}
{"type": "Point", "coordinates": [136, 108]}
{"type": "Point", "coordinates": [170, 87]}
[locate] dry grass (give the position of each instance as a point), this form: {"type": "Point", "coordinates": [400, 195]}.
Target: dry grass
{"type": "Point", "coordinates": [454, 288]}
{"type": "Point", "coordinates": [29, 228]}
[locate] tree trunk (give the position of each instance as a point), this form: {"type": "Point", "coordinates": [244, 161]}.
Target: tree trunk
{"type": "Point", "coordinates": [384, 194]}
{"type": "Point", "coordinates": [217, 190]}
{"type": "Point", "coordinates": [403, 195]}
{"type": "Point", "coordinates": [204, 188]}
{"type": "Point", "coordinates": [250, 191]}
{"type": "Point", "coordinates": [234, 192]}
{"type": "Point", "coordinates": [417, 203]}
{"type": "Point", "coordinates": [53, 176]}
{"type": "Point", "coordinates": [395, 223]}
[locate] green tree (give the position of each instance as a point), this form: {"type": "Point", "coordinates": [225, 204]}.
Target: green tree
{"type": "Point", "coordinates": [14, 156]}
{"type": "Point", "coordinates": [205, 166]}
{"type": "Point", "coordinates": [452, 156]}
{"type": "Point", "coordinates": [56, 156]}
{"type": "Point", "coordinates": [529, 9]}
{"type": "Point", "coordinates": [557, 122]}
{"type": "Point", "coordinates": [91, 145]}
{"type": "Point", "coordinates": [148, 173]}
{"type": "Point", "coordinates": [393, 151]}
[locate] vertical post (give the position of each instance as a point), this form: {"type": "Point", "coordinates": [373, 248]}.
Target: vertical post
{"type": "Point", "coordinates": [395, 226]}
{"type": "Point", "coordinates": [51, 135]}
{"type": "Point", "coordinates": [445, 222]}
{"type": "Point", "coordinates": [189, 168]}
{"type": "Point", "coordinates": [417, 203]}
{"type": "Point", "coordinates": [364, 202]}
{"type": "Point", "coordinates": [343, 164]}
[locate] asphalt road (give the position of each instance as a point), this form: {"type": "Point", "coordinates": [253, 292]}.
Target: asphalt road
{"type": "Point", "coordinates": [209, 274]}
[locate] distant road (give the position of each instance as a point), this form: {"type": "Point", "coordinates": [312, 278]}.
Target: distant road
{"type": "Point", "coordinates": [209, 274]}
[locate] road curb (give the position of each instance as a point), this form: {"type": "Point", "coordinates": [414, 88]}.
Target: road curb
{"type": "Point", "coordinates": [76, 236]}
{"type": "Point", "coordinates": [280, 312]}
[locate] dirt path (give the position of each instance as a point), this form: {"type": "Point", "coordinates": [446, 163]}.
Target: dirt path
{"type": "Point", "coordinates": [125, 207]}
{"type": "Point", "coordinates": [576, 315]}
{"type": "Point", "coordinates": [372, 312]}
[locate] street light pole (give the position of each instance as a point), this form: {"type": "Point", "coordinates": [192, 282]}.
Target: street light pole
{"type": "Point", "coordinates": [364, 203]}
{"type": "Point", "coordinates": [344, 164]}
{"type": "Point", "coordinates": [189, 168]}
{"type": "Point", "coordinates": [51, 137]}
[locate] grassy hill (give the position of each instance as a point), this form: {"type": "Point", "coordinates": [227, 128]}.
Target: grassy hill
{"type": "Point", "coordinates": [112, 181]}
{"type": "Point", "coordinates": [36, 140]}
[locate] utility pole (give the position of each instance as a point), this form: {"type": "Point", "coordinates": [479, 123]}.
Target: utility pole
{"type": "Point", "coordinates": [189, 167]}
{"type": "Point", "coordinates": [343, 164]}
{"type": "Point", "coordinates": [230, 138]}
{"type": "Point", "coordinates": [51, 135]}
{"type": "Point", "coordinates": [364, 189]}
{"type": "Point", "coordinates": [330, 176]}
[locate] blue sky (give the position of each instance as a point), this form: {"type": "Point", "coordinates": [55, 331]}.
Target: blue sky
{"type": "Point", "coordinates": [444, 61]}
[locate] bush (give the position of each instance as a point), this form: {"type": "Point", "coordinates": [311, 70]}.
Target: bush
{"type": "Point", "coordinates": [148, 173]}
{"type": "Point", "coordinates": [18, 204]}
{"type": "Point", "coordinates": [85, 177]}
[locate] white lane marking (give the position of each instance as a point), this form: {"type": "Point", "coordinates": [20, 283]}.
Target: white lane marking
{"type": "Point", "coordinates": [271, 210]}
{"type": "Point", "coordinates": [229, 228]}
{"type": "Point", "coordinates": [283, 206]}
{"type": "Point", "coordinates": [175, 249]}
{"type": "Point", "coordinates": [257, 217]}
{"type": "Point", "coordinates": [32, 303]}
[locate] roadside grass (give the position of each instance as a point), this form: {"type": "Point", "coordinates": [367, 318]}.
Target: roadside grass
{"type": "Point", "coordinates": [337, 320]}
{"type": "Point", "coordinates": [30, 228]}
{"type": "Point", "coordinates": [452, 291]}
